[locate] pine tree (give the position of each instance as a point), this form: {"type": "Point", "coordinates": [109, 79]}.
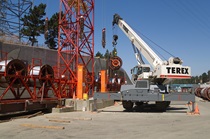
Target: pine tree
{"type": "Point", "coordinates": [114, 52]}
{"type": "Point", "coordinates": [52, 39]}
{"type": "Point", "coordinates": [107, 54]}
{"type": "Point", "coordinates": [98, 54]}
{"type": "Point", "coordinates": [34, 23]}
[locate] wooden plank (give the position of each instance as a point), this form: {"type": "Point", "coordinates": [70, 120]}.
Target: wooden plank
{"type": "Point", "coordinates": [41, 126]}
{"type": "Point", "coordinates": [85, 119]}
{"type": "Point", "coordinates": [60, 121]}
{"type": "Point", "coordinates": [35, 114]}
{"type": "Point", "coordinates": [57, 117]}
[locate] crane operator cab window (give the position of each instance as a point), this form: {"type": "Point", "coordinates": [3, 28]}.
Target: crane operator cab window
{"type": "Point", "coordinates": [134, 70]}
{"type": "Point", "coordinates": [146, 69]}
{"type": "Point", "coordinates": [139, 70]}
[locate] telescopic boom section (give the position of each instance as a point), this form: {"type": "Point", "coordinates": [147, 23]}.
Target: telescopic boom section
{"type": "Point", "coordinates": [145, 50]}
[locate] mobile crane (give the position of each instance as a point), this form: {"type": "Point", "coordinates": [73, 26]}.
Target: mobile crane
{"type": "Point", "coordinates": [149, 85]}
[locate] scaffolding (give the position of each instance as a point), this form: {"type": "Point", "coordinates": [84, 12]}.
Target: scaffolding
{"type": "Point", "coordinates": [11, 11]}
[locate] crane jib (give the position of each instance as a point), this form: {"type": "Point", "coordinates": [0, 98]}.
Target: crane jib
{"type": "Point", "coordinates": [177, 70]}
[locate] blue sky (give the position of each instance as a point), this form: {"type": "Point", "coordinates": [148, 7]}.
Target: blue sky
{"type": "Point", "coordinates": [181, 27]}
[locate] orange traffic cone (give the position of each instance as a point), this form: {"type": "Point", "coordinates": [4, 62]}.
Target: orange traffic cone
{"type": "Point", "coordinates": [196, 111]}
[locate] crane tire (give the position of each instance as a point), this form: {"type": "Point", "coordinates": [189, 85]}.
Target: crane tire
{"type": "Point", "coordinates": [127, 105]}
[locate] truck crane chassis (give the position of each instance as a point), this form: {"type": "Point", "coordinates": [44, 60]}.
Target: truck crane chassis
{"type": "Point", "coordinates": [139, 94]}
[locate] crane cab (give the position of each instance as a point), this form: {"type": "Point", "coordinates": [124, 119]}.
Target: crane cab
{"type": "Point", "coordinates": [140, 72]}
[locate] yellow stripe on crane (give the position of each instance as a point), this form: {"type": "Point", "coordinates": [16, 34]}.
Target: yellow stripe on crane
{"type": "Point", "coordinates": [163, 97]}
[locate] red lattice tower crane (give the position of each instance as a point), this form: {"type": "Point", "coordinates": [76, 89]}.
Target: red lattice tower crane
{"type": "Point", "coordinates": [76, 46]}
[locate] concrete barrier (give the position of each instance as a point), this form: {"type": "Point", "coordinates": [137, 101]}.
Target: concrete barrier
{"type": "Point", "coordinates": [63, 109]}
{"type": "Point", "coordinates": [87, 105]}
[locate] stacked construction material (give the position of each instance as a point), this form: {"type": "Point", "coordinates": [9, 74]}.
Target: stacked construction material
{"type": "Point", "coordinates": [203, 92]}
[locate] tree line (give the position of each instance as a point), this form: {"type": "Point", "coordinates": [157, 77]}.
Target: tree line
{"type": "Point", "coordinates": [203, 78]}
{"type": "Point", "coordinates": [107, 54]}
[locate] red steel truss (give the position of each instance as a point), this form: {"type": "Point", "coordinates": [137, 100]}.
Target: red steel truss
{"type": "Point", "coordinates": [76, 43]}
{"type": "Point", "coordinates": [36, 85]}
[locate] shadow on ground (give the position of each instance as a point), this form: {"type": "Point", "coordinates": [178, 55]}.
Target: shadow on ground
{"type": "Point", "coordinates": [151, 108]}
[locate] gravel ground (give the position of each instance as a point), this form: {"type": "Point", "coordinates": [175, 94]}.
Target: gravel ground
{"type": "Point", "coordinates": [113, 123]}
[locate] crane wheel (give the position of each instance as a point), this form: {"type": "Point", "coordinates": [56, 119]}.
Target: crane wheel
{"type": "Point", "coordinates": [127, 105]}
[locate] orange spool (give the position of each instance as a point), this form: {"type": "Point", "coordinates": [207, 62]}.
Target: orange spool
{"type": "Point", "coordinates": [115, 63]}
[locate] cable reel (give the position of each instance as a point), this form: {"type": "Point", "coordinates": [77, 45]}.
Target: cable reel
{"type": "Point", "coordinates": [115, 63]}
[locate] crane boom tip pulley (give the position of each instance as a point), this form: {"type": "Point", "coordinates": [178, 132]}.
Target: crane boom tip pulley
{"type": "Point", "coordinates": [116, 19]}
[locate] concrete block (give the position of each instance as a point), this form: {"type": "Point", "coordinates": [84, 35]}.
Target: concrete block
{"type": "Point", "coordinates": [63, 109]}
{"type": "Point", "coordinates": [85, 105]}
{"type": "Point", "coordinates": [78, 105]}
{"type": "Point", "coordinates": [69, 102]}
{"type": "Point", "coordinates": [88, 105]}
{"type": "Point", "coordinates": [100, 104]}
{"type": "Point", "coordinates": [109, 103]}
{"type": "Point", "coordinates": [91, 107]}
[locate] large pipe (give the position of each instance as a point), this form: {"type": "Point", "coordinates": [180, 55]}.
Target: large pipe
{"type": "Point", "coordinates": [40, 75]}
{"type": "Point", "coordinates": [202, 92]}
{"type": "Point", "coordinates": [10, 70]}
{"type": "Point", "coordinates": [208, 94]}
{"type": "Point", "coordinates": [205, 93]}
{"type": "Point", "coordinates": [198, 91]}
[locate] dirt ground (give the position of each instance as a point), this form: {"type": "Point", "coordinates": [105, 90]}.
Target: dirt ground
{"type": "Point", "coordinates": [113, 123]}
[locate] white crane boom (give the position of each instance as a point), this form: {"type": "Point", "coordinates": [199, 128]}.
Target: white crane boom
{"type": "Point", "coordinates": [135, 39]}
